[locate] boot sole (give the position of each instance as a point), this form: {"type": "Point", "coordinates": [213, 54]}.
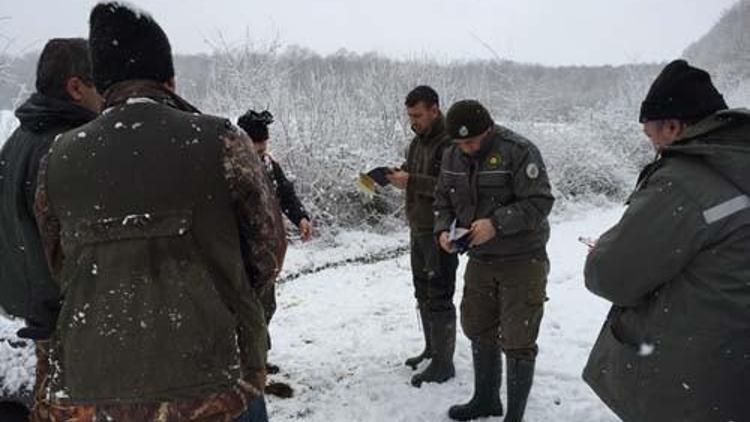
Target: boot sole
{"type": "Point", "coordinates": [487, 414]}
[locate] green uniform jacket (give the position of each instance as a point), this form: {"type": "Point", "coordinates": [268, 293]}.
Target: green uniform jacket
{"type": "Point", "coordinates": [423, 165]}
{"type": "Point", "coordinates": [506, 182]}
{"type": "Point", "coordinates": [158, 300]}
{"type": "Point", "coordinates": [676, 345]}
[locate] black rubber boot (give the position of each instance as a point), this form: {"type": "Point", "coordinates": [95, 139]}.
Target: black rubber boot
{"type": "Point", "coordinates": [520, 378]}
{"type": "Point", "coordinates": [272, 369]}
{"type": "Point", "coordinates": [443, 338]}
{"type": "Point", "coordinates": [486, 402]}
{"type": "Point", "coordinates": [413, 362]}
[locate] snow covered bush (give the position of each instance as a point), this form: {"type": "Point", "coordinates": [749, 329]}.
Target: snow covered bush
{"type": "Point", "coordinates": [8, 124]}
{"type": "Point", "coordinates": [338, 115]}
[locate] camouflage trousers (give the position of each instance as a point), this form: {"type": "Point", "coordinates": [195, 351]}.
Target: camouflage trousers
{"type": "Point", "coordinates": [505, 301]}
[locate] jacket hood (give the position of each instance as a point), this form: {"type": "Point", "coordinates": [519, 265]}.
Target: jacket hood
{"type": "Point", "coordinates": [722, 141]}
{"type": "Point", "coordinates": [41, 113]}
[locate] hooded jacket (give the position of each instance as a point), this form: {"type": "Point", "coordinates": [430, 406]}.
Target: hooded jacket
{"type": "Point", "coordinates": [26, 287]}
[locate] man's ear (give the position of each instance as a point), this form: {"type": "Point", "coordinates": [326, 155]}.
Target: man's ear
{"type": "Point", "coordinates": [435, 109]}
{"type": "Point", "coordinates": [170, 84]}
{"type": "Point", "coordinates": [74, 87]}
{"type": "Point", "coordinates": [674, 127]}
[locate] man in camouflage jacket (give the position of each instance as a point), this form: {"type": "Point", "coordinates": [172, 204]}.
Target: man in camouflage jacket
{"type": "Point", "coordinates": [160, 227]}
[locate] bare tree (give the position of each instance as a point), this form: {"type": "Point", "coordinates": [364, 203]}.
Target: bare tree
{"type": "Point", "coordinates": [5, 58]}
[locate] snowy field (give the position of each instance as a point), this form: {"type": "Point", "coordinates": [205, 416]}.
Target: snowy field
{"type": "Point", "coordinates": [341, 334]}
{"type": "Point", "coordinates": [341, 337]}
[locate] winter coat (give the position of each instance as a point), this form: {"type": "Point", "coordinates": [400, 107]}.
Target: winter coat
{"type": "Point", "coordinates": [26, 286]}
{"type": "Point", "coordinates": [506, 182]}
{"type": "Point", "coordinates": [290, 204]}
{"type": "Point", "coordinates": [142, 211]}
{"type": "Point", "coordinates": [676, 344]}
{"type": "Point", "coordinates": [423, 160]}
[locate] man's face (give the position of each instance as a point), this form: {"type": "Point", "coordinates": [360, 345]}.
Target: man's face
{"type": "Point", "coordinates": [662, 133]}
{"type": "Point", "coordinates": [471, 146]}
{"type": "Point", "coordinates": [84, 93]}
{"type": "Point", "coordinates": [260, 147]}
{"type": "Point", "coordinates": [422, 116]}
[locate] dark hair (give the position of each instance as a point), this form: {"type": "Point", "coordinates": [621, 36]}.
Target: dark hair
{"type": "Point", "coordinates": [62, 59]}
{"type": "Point", "coordinates": [256, 124]}
{"type": "Point", "coordinates": [423, 94]}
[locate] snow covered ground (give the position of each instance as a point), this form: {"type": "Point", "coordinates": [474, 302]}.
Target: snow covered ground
{"type": "Point", "coordinates": [341, 336]}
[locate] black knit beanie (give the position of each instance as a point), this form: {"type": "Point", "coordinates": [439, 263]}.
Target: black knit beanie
{"type": "Point", "coordinates": [256, 124]}
{"type": "Point", "coordinates": [127, 44]}
{"type": "Point", "coordinates": [681, 92]}
{"type": "Point", "coordinates": [467, 119]}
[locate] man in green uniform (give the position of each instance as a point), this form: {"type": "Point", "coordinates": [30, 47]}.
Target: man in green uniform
{"type": "Point", "coordinates": [433, 270]}
{"type": "Point", "coordinates": [676, 343]}
{"type": "Point", "coordinates": [493, 184]}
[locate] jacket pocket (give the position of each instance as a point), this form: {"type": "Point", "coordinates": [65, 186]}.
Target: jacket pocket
{"type": "Point", "coordinates": [613, 371]}
{"type": "Point", "coordinates": [457, 185]}
{"type": "Point", "coordinates": [142, 309]}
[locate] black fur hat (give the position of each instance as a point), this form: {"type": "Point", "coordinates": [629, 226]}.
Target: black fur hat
{"type": "Point", "coordinates": [681, 92]}
{"type": "Point", "coordinates": [256, 124]}
{"type": "Point", "coordinates": [126, 44]}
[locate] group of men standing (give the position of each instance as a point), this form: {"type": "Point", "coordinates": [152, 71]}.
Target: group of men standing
{"type": "Point", "coordinates": [144, 246]}
{"type": "Point", "coordinates": [675, 345]}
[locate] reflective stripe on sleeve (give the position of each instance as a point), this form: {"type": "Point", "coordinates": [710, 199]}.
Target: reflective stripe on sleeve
{"type": "Point", "coordinates": [726, 208]}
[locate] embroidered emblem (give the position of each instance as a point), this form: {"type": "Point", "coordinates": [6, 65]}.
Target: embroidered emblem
{"type": "Point", "coordinates": [494, 161]}
{"type": "Point", "coordinates": [463, 131]}
{"type": "Point", "coordinates": [532, 171]}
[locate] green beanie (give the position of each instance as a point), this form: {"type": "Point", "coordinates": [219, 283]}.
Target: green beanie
{"type": "Point", "coordinates": [467, 119]}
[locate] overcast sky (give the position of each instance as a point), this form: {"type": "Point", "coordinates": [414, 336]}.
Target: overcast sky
{"type": "Point", "coordinates": [553, 32]}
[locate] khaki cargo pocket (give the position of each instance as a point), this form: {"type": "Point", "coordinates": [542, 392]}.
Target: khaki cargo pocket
{"type": "Point", "coordinates": [537, 291]}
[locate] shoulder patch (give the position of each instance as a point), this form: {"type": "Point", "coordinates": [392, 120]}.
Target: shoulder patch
{"type": "Point", "coordinates": [532, 171]}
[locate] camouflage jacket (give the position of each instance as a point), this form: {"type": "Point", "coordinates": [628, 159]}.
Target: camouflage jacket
{"type": "Point", "coordinates": [160, 226]}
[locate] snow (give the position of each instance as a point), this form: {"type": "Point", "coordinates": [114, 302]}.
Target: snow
{"type": "Point", "coordinates": [17, 364]}
{"type": "Point", "coordinates": [139, 100]}
{"type": "Point", "coordinates": [137, 11]}
{"type": "Point", "coordinates": [341, 336]}
{"type": "Point", "coordinates": [345, 323]}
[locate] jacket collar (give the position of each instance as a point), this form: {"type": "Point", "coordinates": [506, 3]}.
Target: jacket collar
{"type": "Point", "coordinates": [121, 92]}
{"type": "Point", "coordinates": [436, 129]}
{"type": "Point", "coordinates": [41, 113]}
